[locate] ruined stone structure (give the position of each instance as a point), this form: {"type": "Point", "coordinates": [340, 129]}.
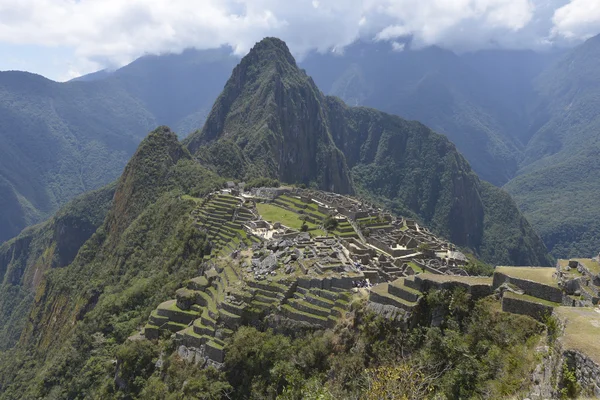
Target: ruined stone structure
{"type": "Point", "coordinates": [260, 267]}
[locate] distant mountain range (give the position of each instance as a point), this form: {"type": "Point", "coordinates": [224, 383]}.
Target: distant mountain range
{"type": "Point", "coordinates": [523, 120]}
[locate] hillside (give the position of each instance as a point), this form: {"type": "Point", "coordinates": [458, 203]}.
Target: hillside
{"type": "Point", "coordinates": [272, 121]}
{"type": "Point", "coordinates": [177, 89]}
{"type": "Point", "coordinates": [560, 170]}
{"type": "Point", "coordinates": [168, 234]}
{"type": "Point", "coordinates": [59, 140]}
{"type": "Point", "coordinates": [478, 100]}
{"type": "Point", "coordinates": [62, 139]}
{"type": "Point", "coordinates": [84, 265]}
{"type": "Point", "coordinates": [53, 244]}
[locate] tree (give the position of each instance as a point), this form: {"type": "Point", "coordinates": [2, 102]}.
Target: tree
{"type": "Point", "coordinates": [330, 223]}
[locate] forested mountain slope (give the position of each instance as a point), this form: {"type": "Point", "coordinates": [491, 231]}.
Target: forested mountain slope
{"type": "Point", "coordinates": [143, 247]}
{"type": "Point", "coordinates": [477, 106]}
{"type": "Point", "coordinates": [560, 175]}
{"type": "Point", "coordinates": [62, 139]}
{"type": "Point", "coordinates": [177, 89]}
{"type": "Point", "coordinates": [59, 140]}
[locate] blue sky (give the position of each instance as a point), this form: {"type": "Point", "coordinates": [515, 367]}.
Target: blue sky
{"type": "Point", "coordinates": [51, 61]}
{"type": "Point", "coordinates": [62, 39]}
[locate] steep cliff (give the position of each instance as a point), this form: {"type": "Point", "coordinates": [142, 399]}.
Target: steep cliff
{"type": "Point", "coordinates": [53, 244]}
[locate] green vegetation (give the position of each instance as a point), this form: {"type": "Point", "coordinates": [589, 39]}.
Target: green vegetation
{"type": "Point", "coordinates": [530, 299]}
{"type": "Point", "coordinates": [58, 141]}
{"type": "Point", "coordinates": [262, 182]}
{"type": "Point", "coordinates": [592, 265]}
{"type": "Point", "coordinates": [477, 351]}
{"type": "Point", "coordinates": [564, 151]}
{"type": "Point", "coordinates": [570, 386]}
{"type": "Point", "coordinates": [116, 279]}
{"type": "Point", "coordinates": [330, 223]}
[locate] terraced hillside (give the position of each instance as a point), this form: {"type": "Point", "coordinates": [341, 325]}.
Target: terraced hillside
{"type": "Point", "coordinates": [269, 257]}
{"type": "Point", "coordinates": [221, 216]}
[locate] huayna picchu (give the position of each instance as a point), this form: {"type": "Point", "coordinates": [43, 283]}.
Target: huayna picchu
{"type": "Point", "coordinates": [354, 262]}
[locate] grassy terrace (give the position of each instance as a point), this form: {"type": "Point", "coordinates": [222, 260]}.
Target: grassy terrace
{"type": "Point", "coordinates": [530, 299]}
{"type": "Point", "coordinates": [590, 264]}
{"type": "Point", "coordinates": [469, 280]}
{"type": "Point", "coordinates": [541, 275]}
{"type": "Point", "coordinates": [582, 330]}
{"type": "Point", "coordinates": [288, 218]}
{"type": "Point", "coordinates": [415, 267]}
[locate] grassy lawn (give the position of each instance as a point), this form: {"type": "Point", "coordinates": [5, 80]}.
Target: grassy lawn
{"type": "Point", "coordinates": [582, 330]}
{"type": "Point", "coordinates": [288, 218]}
{"type": "Point", "coordinates": [592, 265]}
{"type": "Point", "coordinates": [537, 274]}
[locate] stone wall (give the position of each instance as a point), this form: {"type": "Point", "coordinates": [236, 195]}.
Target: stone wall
{"type": "Point", "coordinates": [327, 283]}
{"type": "Point", "coordinates": [524, 307]}
{"type": "Point", "coordinates": [476, 291]}
{"type": "Point", "coordinates": [530, 288]}
{"type": "Point", "coordinates": [586, 370]}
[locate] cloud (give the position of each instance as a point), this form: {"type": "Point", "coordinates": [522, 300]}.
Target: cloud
{"type": "Point", "coordinates": [580, 19]}
{"type": "Point", "coordinates": [105, 33]}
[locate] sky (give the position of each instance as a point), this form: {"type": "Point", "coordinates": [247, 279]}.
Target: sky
{"type": "Point", "coordinates": [63, 39]}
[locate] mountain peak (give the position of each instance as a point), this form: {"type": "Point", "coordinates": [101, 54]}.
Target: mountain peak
{"type": "Point", "coordinates": [270, 122]}
{"type": "Point", "coordinates": [271, 49]}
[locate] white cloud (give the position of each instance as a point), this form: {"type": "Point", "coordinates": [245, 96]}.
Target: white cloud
{"type": "Point", "coordinates": [578, 19]}
{"type": "Point", "coordinates": [114, 32]}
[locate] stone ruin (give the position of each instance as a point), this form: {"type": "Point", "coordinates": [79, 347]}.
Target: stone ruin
{"type": "Point", "coordinates": [260, 269]}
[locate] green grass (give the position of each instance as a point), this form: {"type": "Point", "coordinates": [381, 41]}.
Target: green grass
{"type": "Point", "coordinates": [288, 218]}
{"type": "Point", "coordinates": [415, 267]}
{"type": "Point", "coordinates": [590, 264]}
{"type": "Point", "coordinates": [536, 274]}
{"type": "Point", "coordinates": [293, 310]}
